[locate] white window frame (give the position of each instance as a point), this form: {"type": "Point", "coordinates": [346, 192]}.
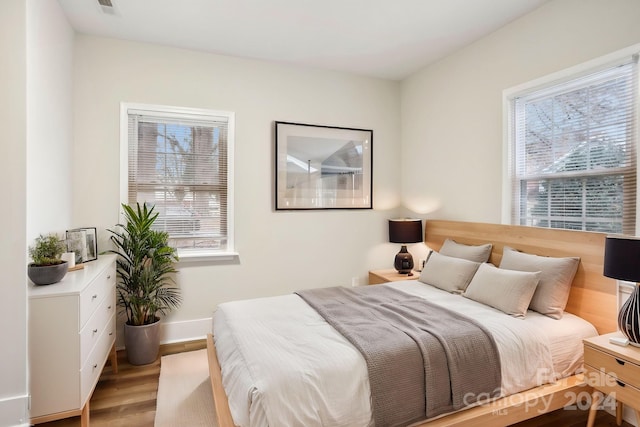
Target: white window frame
{"type": "Point", "coordinates": [190, 255]}
{"type": "Point", "coordinates": [508, 95]}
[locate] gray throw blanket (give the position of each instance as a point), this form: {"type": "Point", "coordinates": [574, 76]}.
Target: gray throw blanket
{"type": "Point", "coordinates": [423, 360]}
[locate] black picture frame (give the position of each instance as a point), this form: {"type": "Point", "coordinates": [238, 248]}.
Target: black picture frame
{"type": "Point", "coordinates": [322, 167]}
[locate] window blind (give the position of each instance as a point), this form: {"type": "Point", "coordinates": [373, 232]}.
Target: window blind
{"type": "Point", "coordinates": [177, 163]}
{"type": "Point", "coordinates": [574, 153]}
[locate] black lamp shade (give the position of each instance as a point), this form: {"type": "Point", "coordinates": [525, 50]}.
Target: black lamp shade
{"type": "Point", "coordinates": [622, 258]}
{"type": "Point", "coordinates": [405, 230]}
{"type": "Point", "coordinates": [622, 262]}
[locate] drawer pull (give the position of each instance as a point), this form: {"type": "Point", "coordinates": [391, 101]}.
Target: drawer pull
{"type": "Point", "coordinates": [620, 362]}
{"type": "Point", "coordinates": [95, 366]}
{"type": "Point", "coordinates": [110, 333]}
{"type": "Point", "coordinates": [620, 383]}
{"type": "Point", "coordinates": [94, 296]}
{"type": "Point", "coordinates": [109, 308]}
{"type": "Point", "coordinates": [95, 331]}
{"type": "Point", "coordinates": [108, 277]}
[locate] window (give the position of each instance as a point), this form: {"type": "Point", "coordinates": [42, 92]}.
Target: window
{"type": "Point", "coordinates": [573, 153]}
{"type": "Point", "coordinates": [179, 161]}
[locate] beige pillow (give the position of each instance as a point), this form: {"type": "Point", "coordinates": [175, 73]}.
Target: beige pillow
{"type": "Point", "coordinates": [509, 291]}
{"type": "Point", "coordinates": [556, 276]}
{"type": "Point", "coordinates": [479, 253]}
{"type": "Point", "coordinates": [448, 273]}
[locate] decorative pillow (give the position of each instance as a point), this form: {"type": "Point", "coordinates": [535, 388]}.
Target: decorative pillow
{"type": "Point", "coordinates": [448, 273]}
{"type": "Point", "coordinates": [480, 253]}
{"type": "Point", "coordinates": [509, 291]}
{"type": "Point", "coordinates": [556, 277]}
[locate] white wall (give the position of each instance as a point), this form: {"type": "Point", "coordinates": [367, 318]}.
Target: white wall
{"type": "Point", "coordinates": [452, 110]}
{"type": "Point", "coordinates": [13, 259]}
{"type": "Point", "coordinates": [279, 251]}
{"type": "Point", "coordinates": [49, 117]}
{"type": "Point", "coordinates": [49, 53]}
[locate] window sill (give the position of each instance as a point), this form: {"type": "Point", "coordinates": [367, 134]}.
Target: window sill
{"type": "Point", "coordinates": [206, 256]}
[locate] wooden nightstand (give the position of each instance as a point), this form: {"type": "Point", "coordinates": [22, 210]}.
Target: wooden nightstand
{"type": "Point", "coordinates": [613, 370]}
{"type": "Point", "coordinates": [383, 276]}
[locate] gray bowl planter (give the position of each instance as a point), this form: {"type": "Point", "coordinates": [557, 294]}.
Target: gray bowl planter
{"type": "Point", "coordinates": [142, 343]}
{"type": "Point", "coordinates": [47, 274]}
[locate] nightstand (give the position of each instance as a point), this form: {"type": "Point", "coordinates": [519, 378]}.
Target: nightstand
{"type": "Point", "coordinates": [613, 370]}
{"type": "Point", "coordinates": [383, 276]}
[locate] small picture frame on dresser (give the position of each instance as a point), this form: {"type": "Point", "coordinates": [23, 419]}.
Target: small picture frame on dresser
{"type": "Point", "coordinates": [84, 243]}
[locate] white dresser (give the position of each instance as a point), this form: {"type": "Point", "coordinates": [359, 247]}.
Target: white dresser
{"type": "Point", "coordinates": [72, 328]}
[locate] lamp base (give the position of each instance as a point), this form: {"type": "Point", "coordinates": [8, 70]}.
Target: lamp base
{"type": "Point", "coordinates": [629, 317]}
{"type": "Point", "coordinates": [404, 261]}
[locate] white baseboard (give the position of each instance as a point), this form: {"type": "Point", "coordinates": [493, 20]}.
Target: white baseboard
{"type": "Point", "coordinates": [187, 330]}
{"type": "Point", "coordinates": [14, 411]}
{"type": "Point", "coordinates": [172, 332]}
{"type": "Point", "coordinates": [629, 416]}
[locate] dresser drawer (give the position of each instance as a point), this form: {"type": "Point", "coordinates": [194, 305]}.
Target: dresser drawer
{"type": "Point", "coordinates": [97, 324]}
{"type": "Point", "coordinates": [92, 296]}
{"type": "Point", "coordinates": [623, 370]}
{"type": "Point", "coordinates": [624, 392]}
{"type": "Point", "coordinates": [92, 367]}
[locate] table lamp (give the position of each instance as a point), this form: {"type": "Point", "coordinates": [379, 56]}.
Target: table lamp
{"type": "Point", "coordinates": [404, 231]}
{"type": "Point", "coordinates": [622, 262]}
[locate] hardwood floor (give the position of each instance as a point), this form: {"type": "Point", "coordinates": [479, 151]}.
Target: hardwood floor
{"type": "Point", "coordinates": [128, 398]}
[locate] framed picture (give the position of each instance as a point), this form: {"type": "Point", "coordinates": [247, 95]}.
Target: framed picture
{"type": "Point", "coordinates": [84, 243]}
{"type": "Point", "coordinates": [322, 167]}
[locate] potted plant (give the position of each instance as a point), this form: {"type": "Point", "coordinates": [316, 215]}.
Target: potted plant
{"type": "Point", "coordinates": [47, 267]}
{"type": "Point", "coordinates": [145, 287]}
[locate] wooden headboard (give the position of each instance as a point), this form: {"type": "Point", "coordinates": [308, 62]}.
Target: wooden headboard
{"type": "Point", "coordinates": [593, 296]}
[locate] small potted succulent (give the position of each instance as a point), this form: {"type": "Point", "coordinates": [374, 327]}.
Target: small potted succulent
{"type": "Point", "coordinates": [47, 267]}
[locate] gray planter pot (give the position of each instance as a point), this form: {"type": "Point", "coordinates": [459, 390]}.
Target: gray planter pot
{"type": "Point", "coordinates": [47, 274]}
{"type": "Point", "coordinates": [142, 343]}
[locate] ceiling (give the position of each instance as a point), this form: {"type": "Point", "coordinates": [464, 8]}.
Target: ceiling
{"type": "Point", "coordinates": [388, 39]}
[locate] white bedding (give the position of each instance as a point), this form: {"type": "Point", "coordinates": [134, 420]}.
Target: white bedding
{"type": "Point", "coordinates": [283, 365]}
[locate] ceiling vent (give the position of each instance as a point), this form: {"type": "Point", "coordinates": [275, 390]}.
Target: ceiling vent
{"type": "Point", "coordinates": [107, 6]}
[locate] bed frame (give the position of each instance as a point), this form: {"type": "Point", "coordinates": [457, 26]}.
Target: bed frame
{"type": "Point", "coordinates": [593, 297]}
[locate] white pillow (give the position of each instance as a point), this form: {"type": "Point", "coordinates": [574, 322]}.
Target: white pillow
{"type": "Point", "coordinates": [448, 273]}
{"type": "Point", "coordinates": [477, 253]}
{"type": "Point", "coordinates": [556, 277]}
{"type": "Point", "coordinates": [509, 291]}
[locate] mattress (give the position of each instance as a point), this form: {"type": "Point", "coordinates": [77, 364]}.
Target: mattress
{"type": "Point", "coordinates": [283, 365]}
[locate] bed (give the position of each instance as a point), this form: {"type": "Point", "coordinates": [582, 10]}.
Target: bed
{"type": "Point", "coordinates": [592, 298]}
